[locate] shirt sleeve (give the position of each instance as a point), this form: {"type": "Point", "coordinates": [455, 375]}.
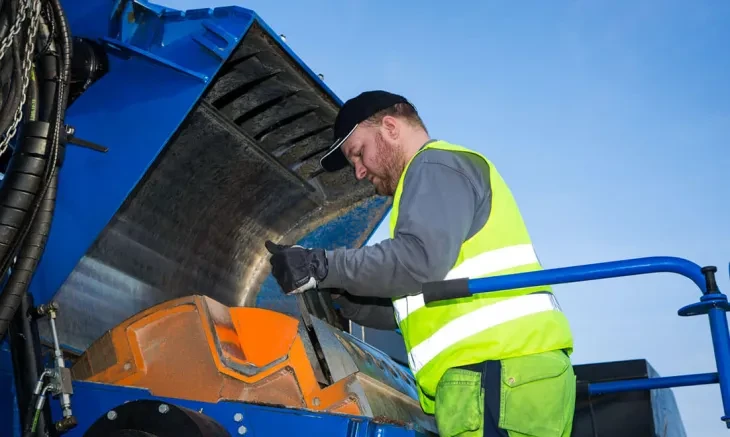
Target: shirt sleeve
{"type": "Point", "coordinates": [436, 213]}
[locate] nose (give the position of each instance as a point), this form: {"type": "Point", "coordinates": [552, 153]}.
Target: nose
{"type": "Point", "coordinates": [360, 171]}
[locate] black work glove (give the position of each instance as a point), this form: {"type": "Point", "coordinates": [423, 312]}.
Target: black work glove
{"type": "Point", "coordinates": [295, 268]}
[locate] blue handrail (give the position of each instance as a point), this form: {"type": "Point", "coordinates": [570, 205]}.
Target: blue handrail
{"type": "Point", "coordinates": [590, 272]}
{"type": "Point", "coordinates": [712, 302]}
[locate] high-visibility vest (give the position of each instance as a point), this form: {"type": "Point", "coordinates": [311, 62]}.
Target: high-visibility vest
{"type": "Point", "coordinates": [486, 326]}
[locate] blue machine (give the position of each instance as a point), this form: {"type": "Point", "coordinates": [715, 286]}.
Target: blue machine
{"type": "Point", "coordinates": [156, 152]}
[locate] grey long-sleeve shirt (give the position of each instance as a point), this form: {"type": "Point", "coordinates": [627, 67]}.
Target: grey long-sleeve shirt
{"type": "Point", "coordinates": [446, 199]}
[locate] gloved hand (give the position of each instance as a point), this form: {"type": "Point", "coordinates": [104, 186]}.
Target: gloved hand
{"type": "Point", "coordinates": [295, 268]}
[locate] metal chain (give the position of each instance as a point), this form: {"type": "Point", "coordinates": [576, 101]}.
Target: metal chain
{"type": "Point", "coordinates": [8, 40]}
{"type": "Point", "coordinates": [29, 48]}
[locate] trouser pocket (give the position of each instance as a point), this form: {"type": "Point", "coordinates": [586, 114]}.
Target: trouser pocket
{"type": "Point", "coordinates": [459, 404]}
{"type": "Point", "coordinates": [538, 395]}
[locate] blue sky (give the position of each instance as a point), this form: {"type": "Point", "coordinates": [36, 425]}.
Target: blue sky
{"type": "Point", "coordinates": [609, 120]}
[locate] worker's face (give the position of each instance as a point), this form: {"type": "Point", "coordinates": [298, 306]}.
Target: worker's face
{"type": "Point", "coordinates": [376, 154]}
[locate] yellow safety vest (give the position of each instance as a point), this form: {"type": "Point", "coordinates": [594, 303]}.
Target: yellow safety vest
{"type": "Point", "coordinates": [485, 326]}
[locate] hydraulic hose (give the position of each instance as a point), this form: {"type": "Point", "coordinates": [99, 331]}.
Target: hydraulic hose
{"type": "Point", "coordinates": [28, 194]}
{"type": "Point", "coordinates": [24, 219]}
{"type": "Point", "coordinates": [23, 180]}
{"type": "Point", "coordinates": [25, 342]}
{"type": "Point", "coordinates": [31, 108]}
{"type": "Point", "coordinates": [7, 111]}
{"type": "Point", "coordinates": [28, 257]}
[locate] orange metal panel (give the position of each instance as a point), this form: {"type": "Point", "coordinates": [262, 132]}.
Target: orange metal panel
{"type": "Point", "coordinates": [196, 348]}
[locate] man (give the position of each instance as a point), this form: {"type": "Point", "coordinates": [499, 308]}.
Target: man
{"type": "Point", "coordinates": [494, 364]}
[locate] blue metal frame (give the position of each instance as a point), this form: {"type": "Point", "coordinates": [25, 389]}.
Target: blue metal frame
{"type": "Point", "coordinates": [93, 400]}
{"type": "Point", "coordinates": [713, 303]}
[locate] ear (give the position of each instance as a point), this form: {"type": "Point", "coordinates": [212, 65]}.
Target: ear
{"type": "Point", "coordinates": [391, 127]}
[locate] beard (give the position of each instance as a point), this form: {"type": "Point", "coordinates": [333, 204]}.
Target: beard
{"type": "Point", "coordinates": [391, 161]}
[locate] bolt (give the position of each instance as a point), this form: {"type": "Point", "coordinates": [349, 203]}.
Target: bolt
{"type": "Point", "coordinates": [315, 401]}
{"type": "Point", "coordinates": [242, 430]}
{"type": "Point", "coordinates": [111, 415]}
{"type": "Point", "coordinates": [238, 417]}
{"type": "Point", "coordinates": [321, 76]}
{"type": "Point", "coordinates": [127, 366]}
{"type": "Point", "coordinates": [163, 408]}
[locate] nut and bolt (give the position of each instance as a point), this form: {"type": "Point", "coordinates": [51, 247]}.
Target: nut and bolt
{"type": "Point", "coordinates": [111, 415]}
{"type": "Point", "coordinates": [238, 417]}
{"type": "Point", "coordinates": [242, 430]}
{"type": "Point", "coordinates": [163, 408]}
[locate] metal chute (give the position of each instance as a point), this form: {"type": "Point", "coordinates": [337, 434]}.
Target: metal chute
{"type": "Point", "coordinates": [242, 167]}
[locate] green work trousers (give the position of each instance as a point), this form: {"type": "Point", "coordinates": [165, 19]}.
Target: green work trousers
{"type": "Point", "coordinates": [528, 396]}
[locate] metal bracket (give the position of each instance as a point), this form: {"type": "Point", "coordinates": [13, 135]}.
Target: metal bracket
{"type": "Point", "coordinates": [221, 52]}
{"type": "Point", "coordinates": [130, 49]}
{"type": "Point", "coordinates": [706, 303]}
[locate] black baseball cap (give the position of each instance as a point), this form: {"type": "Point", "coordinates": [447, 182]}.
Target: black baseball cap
{"type": "Point", "coordinates": [353, 112]}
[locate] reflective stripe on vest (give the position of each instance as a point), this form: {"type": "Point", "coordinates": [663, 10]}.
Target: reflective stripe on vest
{"type": "Point", "coordinates": [490, 326]}
{"type": "Point", "coordinates": [479, 266]}
{"type": "Point", "coordinates": [478, 320]}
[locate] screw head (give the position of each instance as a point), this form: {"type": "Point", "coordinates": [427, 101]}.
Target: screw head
{"type": "Point", "coordinates": [111, 415]}
{"type": "Point", "coordinates": [238, 417]}
{"type": "Point", "coordinates": [163, 408]}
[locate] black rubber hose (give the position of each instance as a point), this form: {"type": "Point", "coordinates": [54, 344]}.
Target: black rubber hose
{"type": "Point", "coordinates": [24, 179]}
{"type": "Point", "coordinates": [22, 273]}
{"type": "Point", "coordinates": [26, 346]}
{"type": "Point", "coordinates": [66, 52]}
{"type": "Point", "coordinates": [24, 337]}
{"type": "Point", "coordinates": [47, 77]}
{"type": "Point", "coordinates": [7, 111]}
{"type": "Point", "coordinates": [28, 174]}
{"type": "Point", "coordinates": [28, 417]}
{"type": "Point", "coordinates": [31, 98]}
{"type": "Point", "coordinates": [8, 73]}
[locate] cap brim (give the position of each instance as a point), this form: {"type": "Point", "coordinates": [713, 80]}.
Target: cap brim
{"type": "Point", "coordinates": [335, 159]}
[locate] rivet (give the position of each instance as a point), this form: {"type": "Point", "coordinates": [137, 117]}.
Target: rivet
{"type": "Point", "coordinates": [238, 417]}
{"type": "Point", "coordinates": [242, 430]}
{"type": "Point", "coordinates": [163, 408]}
{"type": "Point", "coordinates": [111, 415]}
